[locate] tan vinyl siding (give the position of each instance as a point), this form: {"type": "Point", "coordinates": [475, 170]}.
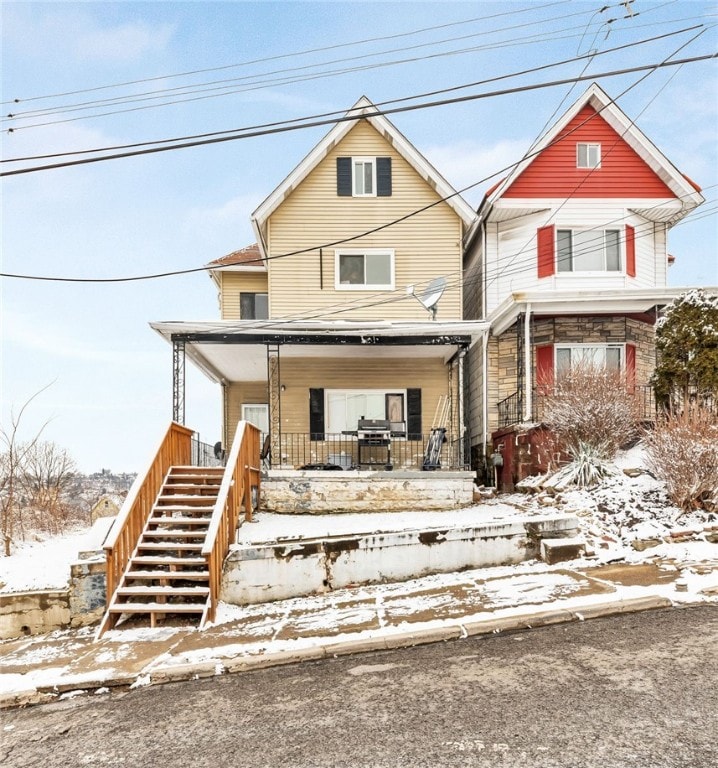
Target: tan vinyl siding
{"type": "Point", "coordinates": [426, 246]}
{"type": "Point", "coordinates": [299, 376]}
{"type": "Point", "coordinates": [240, 393]}
{"type": "Point", "coordinates": [234, 283]}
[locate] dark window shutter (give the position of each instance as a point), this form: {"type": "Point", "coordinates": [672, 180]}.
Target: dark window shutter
{"type": "Point", "coordinates": [316, 414]}
{"type": "Point", "coordinates": [413, 414]}
{"type": "Point", "coordinates": [383, 177]}
{"type": "Point", "coordinates": [344, 176]}
{"type": "Point", "coordinates": [545, 250]}
{"type": "Point", "coordinates": [544, 368]}
{"type": "Point", "coordinates": [631, 367]}
{"type": "Point", "coordinates": [630, 251]}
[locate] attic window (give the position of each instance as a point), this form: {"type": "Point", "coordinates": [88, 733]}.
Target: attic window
{"type": "Point", "coordinates": [364, 176]}
{"type": "Point", "coordinates": [588, 155]}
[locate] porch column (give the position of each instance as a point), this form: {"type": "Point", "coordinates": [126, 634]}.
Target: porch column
{"type": "Point", "coordinates": [528, 376]}
{"type": "Point", "coordinates": [178, 380]}
{"type": "Point", "coordinates": [275, 407]}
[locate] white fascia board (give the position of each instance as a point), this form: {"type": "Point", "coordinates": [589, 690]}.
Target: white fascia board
{"type": "Point", "coordinates": [636, 139]}
{"type": "Point", "coordinates": [580, 303]}
{"type": "Point", "coordinates": [207, 369]}
{"type": "Point", "coordinates": [424, 168]}
{"type": "Point", "coordinates": [310, 161]}
{"type": "Point", "coordinates": [364, 109]}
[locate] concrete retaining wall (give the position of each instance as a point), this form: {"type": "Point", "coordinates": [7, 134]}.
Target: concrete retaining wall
{"type": "Point", "coordinates": [277, 571]}
{"type": "Point", "coordinates": [33, 613]}
{"type": "Point", "coordinates": [318, 492]}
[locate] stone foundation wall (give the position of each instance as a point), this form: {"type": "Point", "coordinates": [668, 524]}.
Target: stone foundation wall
{"type": "Point", "coordinates": [318, 492]}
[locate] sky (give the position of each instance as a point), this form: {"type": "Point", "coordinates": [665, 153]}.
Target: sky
{"type": "Point", "coordinates": [108, 399]}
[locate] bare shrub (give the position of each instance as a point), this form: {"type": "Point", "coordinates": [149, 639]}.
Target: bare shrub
{"type": "Point", "coordinates": [591, 408]}
{"type": "Point", "coordinates": [682, 450]}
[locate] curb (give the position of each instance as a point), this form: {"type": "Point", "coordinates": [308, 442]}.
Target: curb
{"type": "Point", "coordinates": [455, 631]}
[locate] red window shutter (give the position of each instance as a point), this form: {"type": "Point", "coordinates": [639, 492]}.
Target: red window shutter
{"type": "Point", "coordinates": [544, 367]}
{"type": "Point", "coordinates": [631, 367]}
{"type": "Point", "coordinates": [630, 251]}
{"type": "Point", "coordinates": [545, 251]}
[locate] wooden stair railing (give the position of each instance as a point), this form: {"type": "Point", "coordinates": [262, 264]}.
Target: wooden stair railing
{"type": "Point", "coordinates": [166, 550]}
{"type": "Point", "coordinates": [174, 449]}
{"type": "Point", "coordinates": [240, 487]}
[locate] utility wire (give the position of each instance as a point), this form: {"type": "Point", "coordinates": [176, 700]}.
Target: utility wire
{"type": "Point", "coordinates": [343, 112]}
{"type": "Point", "coordinates": [395, 110]}
{"type": "Point", "coordinates": [202, 87]}
{"type": "Point", "coordinates": [278, 57]}
{"type": "Point", "coordinates": [291, 80]}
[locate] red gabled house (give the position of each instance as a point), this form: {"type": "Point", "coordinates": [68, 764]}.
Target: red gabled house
{"type": "Point", "coordinates": [568, 262]}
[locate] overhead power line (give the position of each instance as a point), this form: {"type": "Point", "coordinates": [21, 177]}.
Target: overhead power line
{"type": "Point", "coordinates": [393, 110]}
{"type": "Point", "coordinates": [305, 52]}
{"type": "Point", "coordinates": [333, 114]}
{"type": "Point", "coordinates": [342, 241]}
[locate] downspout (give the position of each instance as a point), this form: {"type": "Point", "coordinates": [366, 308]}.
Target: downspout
{"type": "Point", "coordinates": [528, 377]}
{"type": "Point", "coordinates": [485, 392]}
{"type": "Point", "coordinates": [462, 425]}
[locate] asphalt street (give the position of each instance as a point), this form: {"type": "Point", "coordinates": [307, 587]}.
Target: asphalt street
{"type": "Point", "coordinates": [637, 690]}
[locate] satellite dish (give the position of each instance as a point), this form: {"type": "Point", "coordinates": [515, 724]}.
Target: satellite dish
{"type": "Point", "coordinates": [432, 294]}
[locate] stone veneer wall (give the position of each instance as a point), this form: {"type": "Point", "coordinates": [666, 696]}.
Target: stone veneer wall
{"type": "Point", "coordinates": [617, 329]}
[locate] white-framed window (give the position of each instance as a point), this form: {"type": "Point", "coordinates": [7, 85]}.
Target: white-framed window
{"type": "Point", "coordinates": [608, 356]}
{"type": "Point", "coordinates": [364, 176]}
{"type": "Point", "coordinates": [588, 250]}
{"type": "Point", "coordinates": [364, 269]}
{"type": "Point", "coordinates": [343, 408]}
{"type": "Point", "coordinates": [257, 414]}
{"type": "Point", "coordinates": [588, 155]}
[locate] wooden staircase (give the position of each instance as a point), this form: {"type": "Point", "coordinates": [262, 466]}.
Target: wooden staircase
{"type": "Point", "coordinates": [167, 575]}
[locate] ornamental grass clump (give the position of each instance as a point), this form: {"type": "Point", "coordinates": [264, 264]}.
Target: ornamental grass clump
{"type": "Point", "coordinates": [682, 451]}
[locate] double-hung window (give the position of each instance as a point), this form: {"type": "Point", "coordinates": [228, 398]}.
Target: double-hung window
{"type": "Point", "coordinates": [608, 356]}
{"type": "Point", "coordinates": [253, 306]}
{"type": "Point", "coordinates": [588, 155]}
{"type": "Point", "coordinates": [364, 177]}
{"type": "Point", "coordinates": [590, 250]}
{"type": "Point", "coordinates": [371, 269]}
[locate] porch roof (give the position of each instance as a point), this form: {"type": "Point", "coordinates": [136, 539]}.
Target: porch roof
{"type": "Point", "coordinates": [581, 302]}
{"type": "Point", "coordinates": [234, 350]}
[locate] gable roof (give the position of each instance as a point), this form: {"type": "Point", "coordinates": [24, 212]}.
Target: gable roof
{"type": "Point", "coordinates": [679, 185]}
{"type": "Point", "coordinates": [362, 110]}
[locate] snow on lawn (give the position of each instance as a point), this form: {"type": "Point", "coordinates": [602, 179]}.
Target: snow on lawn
{"type": "Point", "coordinates": [629, 504]}
{"type": "Point", "coordinates": [41, 564]}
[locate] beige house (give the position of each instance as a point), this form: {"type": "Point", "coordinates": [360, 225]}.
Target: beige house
{"type": "Point", "coordinates": [342, 333]}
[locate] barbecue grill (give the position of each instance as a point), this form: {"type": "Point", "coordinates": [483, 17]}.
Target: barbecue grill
{"type": "Point", "coordinates": [373, 433]}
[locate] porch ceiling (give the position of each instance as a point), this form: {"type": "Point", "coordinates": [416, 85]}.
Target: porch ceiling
{"type": "Point", "coordinates": [237, 351]}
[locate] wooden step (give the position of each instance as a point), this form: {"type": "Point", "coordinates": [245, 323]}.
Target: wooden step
{"type": "Point", "coordinates": [184, 499]}
{"type": "Point", "coordinates": [198, 471]}
{"type": "Point", "coordinates": [193, 488]}
{"type": "Point", "coordinates": [183, 510]}
{"type": "Point", "coordinates": [170, 545]}
{"type": "Point", "coordinates": [171, 535]}
{"type": "Point", "coordinates": [163, 590]}
{"type": "Point", "coordinates": [196, 608]}
{"type": "Point", "coordinates": [168, 520]}
{"type": "Point", "coordinates": [167, 560]}
{"type": "Point", "coordinates": [167, 575]}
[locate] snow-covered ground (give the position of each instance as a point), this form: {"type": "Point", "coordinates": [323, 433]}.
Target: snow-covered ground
{"type": "Point", "coordinates": [624, 508]}
{"type": "Point", "coordinates": [43, 564]}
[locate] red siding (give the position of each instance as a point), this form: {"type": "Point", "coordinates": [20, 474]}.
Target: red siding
{"type": "Point", "coordinates": [631, 366]}
{"type": "Point", "coordinates": [544, 367]}
{"type": "Point", "coordinates": [545, 251]}
{"type": "Point", "coordinates": [623, 173]}
{"type": "Point", "coordinates": [630, 251]}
